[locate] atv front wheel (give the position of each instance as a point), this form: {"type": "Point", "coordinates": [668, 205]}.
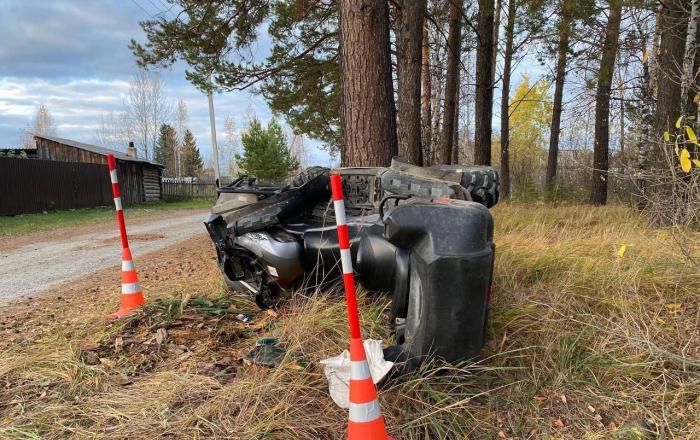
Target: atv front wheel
{"type": "Point", "coordinates": [308, 174]}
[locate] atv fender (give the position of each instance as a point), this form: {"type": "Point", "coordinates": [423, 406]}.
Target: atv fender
{"type": "Point", "coordinates": [451, 259]}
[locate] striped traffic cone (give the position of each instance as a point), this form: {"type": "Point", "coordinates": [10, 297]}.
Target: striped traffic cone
{"type": "Point", "coordinates": [366, 421]}
{"type": "Point", "coordinates": [132, 296]}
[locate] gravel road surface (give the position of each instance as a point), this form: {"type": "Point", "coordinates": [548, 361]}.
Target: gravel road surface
{"type": "Point", "coordinates": [32, 268]}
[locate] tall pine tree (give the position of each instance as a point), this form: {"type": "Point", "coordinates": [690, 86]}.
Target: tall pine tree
{"type": "Point", "coordinates": [164, 151]}
{"type": "Point", "coordinates": [191, 159]}
{"type": "Point", "coordinates": [265, 152]}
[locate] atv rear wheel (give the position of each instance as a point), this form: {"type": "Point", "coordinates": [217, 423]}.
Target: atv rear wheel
{"type": "Point", "coordinates": [481, 181]}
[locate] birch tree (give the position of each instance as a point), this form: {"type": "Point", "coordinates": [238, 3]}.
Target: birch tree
{"type": "Point", "coordinates": [425, 97]}
{"type": "Point", "coordinates": [691, 41]}
{"type": "Point", "coordinates": [113, 131]}
{"type": "Point", "coordinates": [230, 148]}
{"type": "Point", "coordinates": [147, 108]}
{"type": "Point", "coordinates": [42, 124]}
{"type": "Point", "coordinates": [181, 120]}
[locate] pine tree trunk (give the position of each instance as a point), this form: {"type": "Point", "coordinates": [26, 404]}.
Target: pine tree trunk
{"type": "Point", "coordinates": [483, 105]}
{"type": "Point", "coordinates": [426, 105]}
{"type": "Point", "coordinates": [670, 59]}
{"type": "Point", "coordinates": [555, 128]}
{"type": "Point", "coordinates": [505, 100]}
{"type": "Point", "coordinates": [599, 189]}
{"type": "Point", "coordinates": [451, 80]}
{"type": "Point", "coordinates": [409, 36]}
{"type": "Point", "coordinates": [368, 110]}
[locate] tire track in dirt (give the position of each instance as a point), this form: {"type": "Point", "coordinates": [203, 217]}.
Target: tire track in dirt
{"type": "Point", "coordinates": [32, 268]}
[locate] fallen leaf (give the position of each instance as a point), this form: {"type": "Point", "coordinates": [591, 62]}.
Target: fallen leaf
{"type": "Point", "coordinates": [591, 409]}
{"type": "Point", "coordinates": [90, 347]}
{"type": "Point", "coordinates": [504, 339]}
{"type": "Point", "coordinates": [557, 423]}
{"type": "Point", "coordinates": [272, 313]}
{"type": "Point", "coordinates": [109, 363]}
{"type": "Point", "coordinates": [673, 306]}
{"type": "Point", "coordinates": [122, 380]}
{"type": "Point", "coordinates": [90, 358]}
{"type": "Point", "coordinates": [161, 336]}
{"type": "Point", "coordinates": [621, 251]}
{"type": "Point", "coordinates": [118, 344]}
{"type": "Point", "coordinates": [563, 399]}
{"type": "Point", "coordinates": [502, 434]}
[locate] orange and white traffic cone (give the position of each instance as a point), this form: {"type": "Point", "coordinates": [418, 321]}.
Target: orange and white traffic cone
{"type": "Point", "coordinates": [366, 421]}
{"type": "Point", "coordinates": [132, 296]}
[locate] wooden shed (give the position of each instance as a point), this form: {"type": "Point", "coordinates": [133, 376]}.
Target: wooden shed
{"type": "Point", "coordinates": [139, 179]}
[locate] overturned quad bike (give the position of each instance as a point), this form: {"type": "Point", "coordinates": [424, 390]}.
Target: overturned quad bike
{"type": "Point", "coordinates": [423, 234]}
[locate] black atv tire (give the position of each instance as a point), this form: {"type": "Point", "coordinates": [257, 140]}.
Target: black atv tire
{"type": "Point", "coordinates": [230, 284]}
{"type": "Point", "coordinates": [481, 181]}
{"type": "Point", "coordinates": [307, 175]}
{"type": "Point", "coordinates": [264, 300]}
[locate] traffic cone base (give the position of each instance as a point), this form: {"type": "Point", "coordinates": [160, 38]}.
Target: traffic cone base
{"type": "Point", "coordinates": [132, 296]}
{"type": "Point", "coordinates": [374, 430]}
{"type": "Point", "coordinates": [365, 420]}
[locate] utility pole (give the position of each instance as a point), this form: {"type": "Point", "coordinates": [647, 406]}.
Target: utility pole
{"type": "Point", "coordinates": [214, 146]}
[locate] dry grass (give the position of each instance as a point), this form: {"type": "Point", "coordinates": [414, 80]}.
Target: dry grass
{"type": "Point", "coordinates": [584, 344]}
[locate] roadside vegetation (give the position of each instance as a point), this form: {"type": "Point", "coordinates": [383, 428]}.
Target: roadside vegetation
{"type": "Point", "coordinates": [593, 335]}
{"type": "Point", "coordinates": [29, 223]}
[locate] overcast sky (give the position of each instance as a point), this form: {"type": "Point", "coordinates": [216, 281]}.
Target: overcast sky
{"type": "Point", "coordinates": [73, 55]}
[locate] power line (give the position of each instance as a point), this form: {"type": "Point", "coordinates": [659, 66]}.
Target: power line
{"type": "Point", "coordinates": [143, 9]}
{"type": "Point", "coordinates": [166, 8]}
{"type": "Point", "coordinates": [160, 12]}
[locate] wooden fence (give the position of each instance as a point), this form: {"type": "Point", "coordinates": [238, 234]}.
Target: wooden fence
{"type": "Point", "coordinates": [33, 185]}
{"type": "Point", "coordinates": [186, 190]}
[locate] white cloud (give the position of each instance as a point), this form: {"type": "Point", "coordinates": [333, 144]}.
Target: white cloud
{"type": "Point", "coordinates": [73, 56]}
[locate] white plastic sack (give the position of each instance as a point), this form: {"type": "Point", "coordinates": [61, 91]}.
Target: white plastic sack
{"type": "Point", "coordinates": [337, 370]}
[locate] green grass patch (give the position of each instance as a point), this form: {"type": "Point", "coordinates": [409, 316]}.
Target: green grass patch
{"type": "Point", "coordinates": [24, 224]}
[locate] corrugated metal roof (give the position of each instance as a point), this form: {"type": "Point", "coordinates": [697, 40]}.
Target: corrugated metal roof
{"type": "Point", "coordinates": [96, 149]}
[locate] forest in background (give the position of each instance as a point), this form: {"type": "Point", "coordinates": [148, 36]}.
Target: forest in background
{"type": "Point", "coordinates": [377, 78]}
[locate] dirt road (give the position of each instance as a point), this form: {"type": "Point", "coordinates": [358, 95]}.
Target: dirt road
{"type": "Point", "coordinates": [57, 257]}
